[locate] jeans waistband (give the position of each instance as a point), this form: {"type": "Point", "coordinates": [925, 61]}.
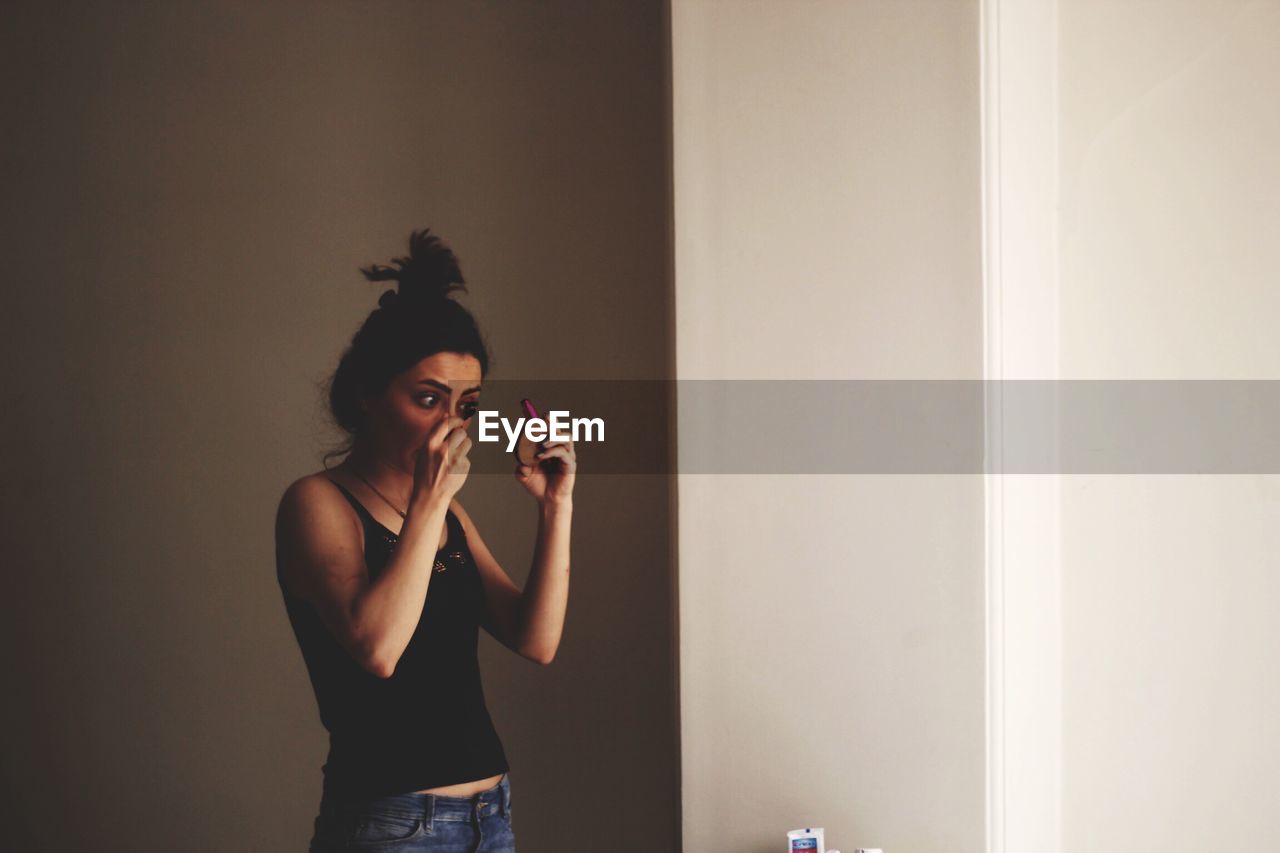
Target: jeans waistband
{"type": "Point", "coordinates": [432, 807]}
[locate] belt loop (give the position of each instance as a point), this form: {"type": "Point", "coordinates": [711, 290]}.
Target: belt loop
{"type": "Point", "coordinates": [506, 794]}
{"type": "Point", "coordinates": [429, 813]}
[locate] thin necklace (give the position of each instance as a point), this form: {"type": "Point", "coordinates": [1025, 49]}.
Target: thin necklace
{"type": "Point", "coordinates": [379, 494]}
{"type": "Point", "coordinates": [438, 566]}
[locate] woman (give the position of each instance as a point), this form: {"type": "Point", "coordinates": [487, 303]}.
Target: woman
{"type": "Point", "coordinates": [386, 579]}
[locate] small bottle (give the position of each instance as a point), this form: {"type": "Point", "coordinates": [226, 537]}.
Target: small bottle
{"type": "Point", "coordinates": [807, 840]}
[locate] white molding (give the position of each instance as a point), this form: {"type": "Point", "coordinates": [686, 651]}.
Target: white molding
{"type": "Point", "coordinates": [1018, 49]}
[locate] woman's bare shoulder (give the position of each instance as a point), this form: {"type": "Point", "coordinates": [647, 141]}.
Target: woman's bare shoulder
{"type": "Point", "coordinates": [308, 487]}
{"type": "Point", "coordinates": [309, 503]}
{"type": "Point", "coordinates": [318, 534]}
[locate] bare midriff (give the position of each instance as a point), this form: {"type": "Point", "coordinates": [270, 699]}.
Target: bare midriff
{"type": "Point", "coordinates": [464, 789]}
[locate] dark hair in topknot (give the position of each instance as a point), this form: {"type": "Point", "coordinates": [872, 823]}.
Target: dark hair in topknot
{"type": "Point", "coordinates": [417, 320]}
{"type": "Point", "coordinates": [429, 272]}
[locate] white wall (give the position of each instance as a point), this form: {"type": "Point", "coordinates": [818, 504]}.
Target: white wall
{"type": "Point", "coordinates": [1169, 126]}
{"type": "Point", "coordinates": [827, 215]}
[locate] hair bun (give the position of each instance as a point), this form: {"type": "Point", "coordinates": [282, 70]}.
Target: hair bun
{"type": "Point", "coordinates": [427, 274]}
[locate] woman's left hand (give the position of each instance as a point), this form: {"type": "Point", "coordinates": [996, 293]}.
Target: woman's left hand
{"type": "Point", "coordinates": [550, 482]}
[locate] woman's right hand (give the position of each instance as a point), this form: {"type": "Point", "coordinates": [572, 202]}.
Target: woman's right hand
{"type": "Point", "coordinates": [442, 464]}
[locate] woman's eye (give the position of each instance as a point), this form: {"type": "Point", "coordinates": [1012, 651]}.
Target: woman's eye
{"type": "Point", "coordinates": [424, 398]}
{"type": "Point", "coordinates": [469, 410]}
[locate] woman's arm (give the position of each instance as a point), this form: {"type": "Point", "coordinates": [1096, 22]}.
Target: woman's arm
{"type": "Point", "coordinates": [546, 594]}
{"type": "Point", "coordinates": [530, 622]}
{"type": "Point", "coordinates": [319, 546]}
{"type": "Point", "coordinates": [374, 620]}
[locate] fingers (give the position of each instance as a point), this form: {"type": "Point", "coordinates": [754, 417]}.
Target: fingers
{"type": "Point", "coordinates": [567, 446]}
{"type": "Point", "coordinates": [561, 451]}
{"type": "Point", "coordinates": [458, 444]}
{"type": "Point", "coordinates": [448, 436]}
{"type": "Point", "coordinates": [436, 437]}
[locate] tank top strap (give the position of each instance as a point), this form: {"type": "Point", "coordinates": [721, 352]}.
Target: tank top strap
{"type": "Point", "coordinates": [455, 537]}
{"type": "Point", "coordinates": [359, 507]}
{"type": "Point", "coordinates": [456, 534]}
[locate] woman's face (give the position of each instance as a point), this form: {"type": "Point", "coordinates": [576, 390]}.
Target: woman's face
{"type": "Point", "coordinates": [442, 386]}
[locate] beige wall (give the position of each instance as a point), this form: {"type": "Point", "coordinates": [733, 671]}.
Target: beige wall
{"type": "Point", "coordinates": [827, 216]}
{"type": "Point", "coordinates": [1168, 131]}
{"type": "Point", "coordinates": [190, 188]}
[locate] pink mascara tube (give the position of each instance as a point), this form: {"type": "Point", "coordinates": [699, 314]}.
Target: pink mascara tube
{"type": "Point", "coordinates": [526, 450]}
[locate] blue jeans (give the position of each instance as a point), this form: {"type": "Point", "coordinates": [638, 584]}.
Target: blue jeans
{"type": "Point", "coordinates": [409, 823]}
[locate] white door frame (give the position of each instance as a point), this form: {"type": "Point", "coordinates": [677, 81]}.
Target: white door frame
{"type": "Point", "coordinates": [1020, 301]}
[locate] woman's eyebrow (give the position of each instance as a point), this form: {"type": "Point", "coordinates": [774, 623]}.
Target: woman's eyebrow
{"type": "Point", "coordinates": [435, 383]}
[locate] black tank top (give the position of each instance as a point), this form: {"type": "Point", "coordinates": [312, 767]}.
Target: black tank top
{"type": "Point", "coordinates": [425, 726]}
